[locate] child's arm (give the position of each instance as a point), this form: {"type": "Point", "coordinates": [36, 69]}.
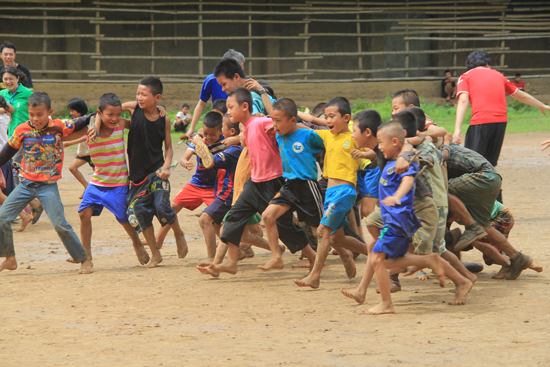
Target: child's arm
{"type": "Point", "coordinates": [407, 184]}
{"type": "Point", "coordinates": [254, 86]}
{"type": "Point", "coordinates": [7, 153]}
{"type": "Point", "coordinates": [309, 118]}
{"type": "Point", "coordinates": [129, 107]}
{"type": "Point", "coordinates": [370, 154]}
{"type": "Point", "coordinates": [445, 147]}
{"type": "Point", "coordinates": [9, 108]}
{"type": "Point", "coordinates": [82, 139]}
{"type": "Point", "coordinates": [461, 108]}
{"type": "Point", "coordinates": [203, 152]}
{"type": "Point", "coordinates": [164, 171]}
{"type": "Point", "coordinates": [185, 160]}
{"type": "Point", "coordinates": [232, 140]}
{"type": "Point", "coordinates": [434, 132]}
{"type": "Point", "coordinates": [547, 145]}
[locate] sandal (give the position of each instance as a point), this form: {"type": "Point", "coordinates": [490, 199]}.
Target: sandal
{"type": "Point", "coordinates": [38, 212]}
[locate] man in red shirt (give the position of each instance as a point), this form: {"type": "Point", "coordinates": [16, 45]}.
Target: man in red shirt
{"type": "Point", "coordinates": [485, 89]}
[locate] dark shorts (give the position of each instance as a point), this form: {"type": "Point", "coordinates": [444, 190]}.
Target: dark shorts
{"type": "Point", "coordinates": [217, 210]}
{"type": "Point", "coordinates": [392, 243]}
{"type": "Point", "coordinates": [87, 159]}
{"type": "Point", "coordinates": [148, 199]}
{"type": "Point", "coordinates": [304, 197]}
{"type": "Point", "coordinates": [486, 139]}
{"type": "Point", "coordinates": [255, 198]}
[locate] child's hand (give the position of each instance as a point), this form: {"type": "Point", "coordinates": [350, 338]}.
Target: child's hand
{"type": "Point", "coordinates": [547, 145]}
{"type": "Point", "coordinates": [258, 115]}
{"type": "Point", "coordinates": [162, 112]}
{"type": "Point", "coordinates": [197, 139]}
{"type": "Point", "coordinates": [188, 165]}
{"type": "Point", "coordinates": [92, 132]}
{"type": "Point", "coordinates": [252, 85]}
{"type": "Point", "coordinates": [2, 110]}
{"type": "Point", "coordinates": [401, 165]}
{"type": "Point", "coordinates": [447, 139]}
{"type": "Point", "coordinates": [356, 153]}
{"type": "Point", "coordinates": [66, 144]}
{"type": "Point", "coordinates": [200, 132]}
{"type": "Point", "coordinates": [163, 174]}
{"type": "Point", "coordinates": [391, 201]}
{"type": "Point", "coordinates": [232, 140]}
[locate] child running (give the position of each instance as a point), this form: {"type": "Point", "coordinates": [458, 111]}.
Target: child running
{"type": "Point", "coordinates": [41, 139]}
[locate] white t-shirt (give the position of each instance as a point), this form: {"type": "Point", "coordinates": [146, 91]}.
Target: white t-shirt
{"type": "Point", "coordinates": [4, 122]}
{"type": "Point", "coordinates": [182, 116]}
{"type": "Point", "coordinates": [82, 150]}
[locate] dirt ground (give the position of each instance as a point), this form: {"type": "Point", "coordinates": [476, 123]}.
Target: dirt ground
{"type": "Point", "coordinates": [125, 314]}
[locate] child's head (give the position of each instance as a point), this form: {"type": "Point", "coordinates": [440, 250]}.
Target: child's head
{"type": "Point", "coordinates": [477, 59]}
{"type": "Point", "coordinates": [229, 74]}
{"type": "Point", "coordinates": [403, 99]}
{"type": "Point", "coordinates": [110, 110]}
{"type": "Point", "coordinates": [3, 103]}
{"type": "Point", "coordinates": [420, 117]}
{"type": "Point", "coordinates": [391, 138]}
{"type": "Point", "coordinates": [319, 109]}
{"type": "Point", "coordinates": [407, 120]}
{"type": "Point", "coordinates": [447, 74]}
{"type": "Point", "coordinates": [220, 106]}
{"type": "Point", "coordinates": [185, 108]}
{"type": "Point", "coordinates": [284, 116]}
{"type": "Point", "coordinates": [212, 127]}
{"type": "Point", "coordinates": [518, 77]}
{"type": "Point", "coordinates": [149, 92]}
{"type": "Point", "coordinates": [268, 88]}
{"type": "Point", "coordinates": [239, 104]}
{"type": "Point", "coordinates": [365, 127]}
{"type": "Point", "coordinates": [40, 109]}
{"type": "Point", "coordinates": [77, 107]}
{"type": "Point", "coordinates": [229, 128]}
{"type": "Point", "coordinates": [338, 114]}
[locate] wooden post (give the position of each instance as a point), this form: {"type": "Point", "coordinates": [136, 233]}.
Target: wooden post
{"type": "Point", "coordinates": [201, 63]}
{"type": "Point", "coordinates": [502, 43]}
{"type": "Point", "coordinates": [359, 48]}
{"type": "Point", "coordinates": [249, 67]}
{"type": "Point", "coordinates": [152, 44]}
{"type": "Point", "coordinates": [97, 44]}
{"type": "Point", "coordinates": [454, 47]}
{"type": "Point", "coordinates": [306, 30]}
{"type": "Point", "coordinates": [45, 45]}
{"type": "Point", "coordinates": [175, 26]}
{"type": "Point", "coordinates": [407, 42]}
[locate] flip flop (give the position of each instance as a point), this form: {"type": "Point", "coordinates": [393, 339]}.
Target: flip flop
{"type": "Point", "coordinates": [38, 214]}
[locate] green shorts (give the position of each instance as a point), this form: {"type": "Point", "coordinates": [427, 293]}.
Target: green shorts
{"type": "Point", "coordinates": [478, 192]}
{"type": "Point", "coordinates": [257, 218]}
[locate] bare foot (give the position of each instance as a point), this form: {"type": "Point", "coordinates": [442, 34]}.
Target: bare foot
{"type": "Point", "coordinates": [349, 265]}
{"type": "Point", "coordinates": [86, 266]}
{"type": "Point", "coordinates": [242, 254]}
{"type": "Point", "coordinates": [225, 268]}
{"type": "Point", "coordinates": [249, 253]}
{"type": "Point", "coordinates": [25, 220]}
{"type": "Point", "coordinates": [411, 270]}
{"type": "Point", "coordinates": [535, 267]}
{"type": "Point", "coordinates": [308, 282]}
{"type": "Point", "coordinates": [356, 295]}
{"type": "Point", "coordinates": [70, 260]}
{"type": "Point", "coordinates": [504, 270]}
{"type": "Point", "coordinates": [207, 269]}
{"type": "Point", "coordinates": [437, 268]}
{"type": "Point", "coordinates": [422, 276]}
{"type": "Point", "coordinates": [142, 255]}
{"type": "Point", "coordinates": [302, 264]}
{"type": "Point", "coordinates": [472, 278]}
{"type": "Point", "coordinates": [461, 293]}
{"type": "Point", "coordinates": [273, 263]}
{"type": "Point", "coordinates": [380, 309]}
{"type": "Point", "coordinates": [155, 261]}
{"type": "Point", "coordinates": [9, 264]}
{"type": "Point", "coordinates": [181, 244]}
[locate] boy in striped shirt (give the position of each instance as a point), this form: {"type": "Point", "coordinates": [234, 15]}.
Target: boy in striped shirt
{"type": "Point", "coordinates": [109, 183]}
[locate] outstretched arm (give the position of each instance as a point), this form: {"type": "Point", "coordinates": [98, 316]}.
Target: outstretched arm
{"type": "Point", "coordinates": [461, 108]}
{"type": "Point", "coordinates": [434, 132]}
{"type": "Point", "coordinates": [7, 153]}
{"type": "Point", "coordinates": [197, 113]}
{"type": "Point", "coordinates": [546, 145]}
{"type": "Point", "coordinates": [531, 101]}
{"type": "Point", "coordinates": [129, 107]}
{"type": "Point", "coordinates": [164, 171]}
{"type": "Point", "coordinates": [309, 118]}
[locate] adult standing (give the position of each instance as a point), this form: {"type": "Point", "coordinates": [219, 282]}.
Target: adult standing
{"type": "Point", "coordinates": [486, 90]}
{"type": "Point", "coordinates": [211, 88]}
{"type": "Point", "coordinates": [16, 94]}
{"type": "Point", "coordinates": [8, 53]}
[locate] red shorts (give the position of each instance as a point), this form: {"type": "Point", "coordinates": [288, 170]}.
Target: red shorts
{"type": "Point", "coordinates": [191, 196]}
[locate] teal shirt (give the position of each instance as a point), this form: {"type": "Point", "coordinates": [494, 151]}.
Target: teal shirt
{"type": "Point", "coordinates": [496, 209]}
{"type": "Point", "coordinates": [258, 104]}
{"type": "Point", "coordinates": [19, 102]}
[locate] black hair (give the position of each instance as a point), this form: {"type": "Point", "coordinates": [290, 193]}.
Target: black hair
{"type": "Point", "coordinates": [185, 105]}
{"type": "Point", "coordinates": [153, 83]}
{"type": "Point", "coordinates": [407, 120]}
{"type": "Point", "coordinates": [446, 71]}
{"type": "Point", "coordinates": [287, 105]}
{"type": "Point", "coordinates": [395, 129]}
{"type": "Point", "coordinates": [319, 109]}
{"type": "Point", "coordinates": [78, 105]}
{"type": "Point", "coordinates": [3, 102]}
{"type": "Point", "coordinates": [409, 97]}
{"type": "Point", "coordinates": [518, 74]}
{"type": "Point", "coordinates": [213, 120]}
{"type": "Point", "coordinates": [7, 44]}
{"type": "Point", "coordinates": [40, 99]}
{"type": "Point", "coordinates": [109, 99]}
{"type": "Point", "coordinates": [268, 88]}
{"type": "Point", "coordinates": [220, 105]}
{"type": "Point", "coordinates": [228, 68]}
{"type": "Point", "coordinates": [232, 125]}
{"type": "Point", "coordinates": [477, 58]}
{"type": "Point", "coordinates": [420, 117]}
{"type": "Point", "coordinates": [242, 95]}
{"type": "Point", "coordinates": [15, 71]}
{"type": "Point", "coordinates": [342, 103]}
{"type": "Point", "coordinates": [368, 119]}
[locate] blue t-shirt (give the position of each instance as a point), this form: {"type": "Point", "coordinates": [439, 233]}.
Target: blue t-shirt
{"type": "Point", "coordinates": [258, 104]}
{"type": "Point", "coordinates": [226, 163]}
{"type": "Point", "coordinates": [206, 178]}
{"type": "Point", "coordinates": [211, 88]}
{"type": "Point", "coordinates": [400, 218]}
{"type": "Point", "coordinates": [297, 154]}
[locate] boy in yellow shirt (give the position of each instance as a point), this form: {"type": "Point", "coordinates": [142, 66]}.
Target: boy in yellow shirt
{"type": "Point", "coordinates": [341, 170]}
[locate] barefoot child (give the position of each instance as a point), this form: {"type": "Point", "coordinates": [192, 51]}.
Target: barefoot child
{"type": "Point", "coordinates": [41, 139]}
{"type": "Point", "coordinates": [301, 192]}
{"type": "Point", "coordinates": [266, 180]}
{"type": "Point", "coordinates": [341, 170]}
{"type": "Point", "coordinates": [200, 190]}
{"type": "Point", "coordinates": [109, 183]}
{"type": "Point", "coordinates": [149, 192]}
{"type": "Point", "coordinates": [77, 108]}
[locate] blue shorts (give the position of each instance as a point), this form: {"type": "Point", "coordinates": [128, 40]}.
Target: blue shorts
{"type": "Point", "coordinates": [368, 182]}
{"type": "Point", "coordinates": [112, 198]}
{"type": "Point", "coordinates": [339, 201]}
{"type": "Point", "coordinates": [392, 244]}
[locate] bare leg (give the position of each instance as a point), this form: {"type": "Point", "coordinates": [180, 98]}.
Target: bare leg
{"type": "Point", "coordinates": [500, 241]}
{"type": "Point", "coordinates": [141, 253]}
{"type": "Point", "coordinates": [457, 264]}
{"type": "Point", "coordinates": [353, 225]}
{"type": "Point", "coordinates": [323, 248]}
{"type": "Point", "coordinates": [463, 285]}
{"type": "Point", "coordinates": [270, 216]}
{"type": "Point", "coordinates": [163, 231]}
{"type": "Point", "coordinates": [86, 236]}
{"type": "Point", "coordinates": [383, 279]}
{"type": "Point", "coordinates": [230, 265]}
{"type": "Point", "coordinates": [75, 165]}
{"type": "Point", "coordinates": [360, 292]}
{"type": "Point", "coordinates": [156, 257]}
{"type": "Point", "coordinates": [251, 237]}
{"type": "Point", "coordinates": [181, 243]}
{"type": "Point", "coordinates": [207, 225]}
{"type": "Point", "coordinates": [432, 261]}
{"type": "Point", "coordinates": [26, 218]}
{"type": "Point", "coordinates": [9, 264]}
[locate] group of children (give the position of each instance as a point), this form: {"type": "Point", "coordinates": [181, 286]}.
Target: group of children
{"type": "Point", "coordinates": [405, 176]}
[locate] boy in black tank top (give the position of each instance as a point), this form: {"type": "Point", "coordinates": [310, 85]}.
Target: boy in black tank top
{"type": "Point", "coordinates": [149, 192]}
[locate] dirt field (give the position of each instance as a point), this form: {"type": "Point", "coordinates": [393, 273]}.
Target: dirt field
{"type": "Point", "coordinates": [127, 315]}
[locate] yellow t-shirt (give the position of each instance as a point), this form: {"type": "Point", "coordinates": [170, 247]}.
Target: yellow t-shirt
{"type": "Point", "coordinates": [338, 161]}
